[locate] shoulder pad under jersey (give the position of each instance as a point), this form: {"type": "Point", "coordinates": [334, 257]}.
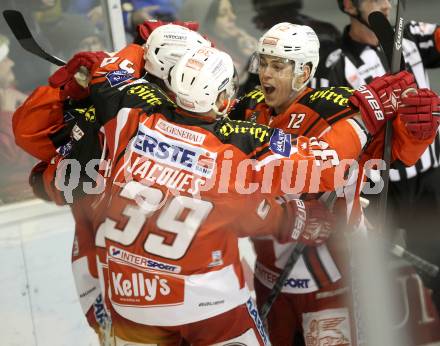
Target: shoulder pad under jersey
{"type": "Point", "coordinates": [145, 95]}
{"type": "Point", "coordinates": [139, 94]}
{"type": "Point", "coordinates": [245, 135]}
{"type": "Point", "coordinates": [329, 102]}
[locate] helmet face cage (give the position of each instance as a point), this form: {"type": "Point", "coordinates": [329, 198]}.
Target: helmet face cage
{"type": "Point", "coordinates": [261, 64]}
{"type": "Point", "coordinates": [166, 45]}
{"type": "Point", "coordinates": [200, 76]}
{"type": "Point", "coordinates": [296, 43]}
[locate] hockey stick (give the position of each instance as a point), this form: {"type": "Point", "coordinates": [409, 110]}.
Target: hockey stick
{"type": "Point", "coordinates": [418, 262]}
{"type": "Point", "coordinates": [391, 43]}
{"type": "Point", "coordinates": [19, 28]}
{"type": "Point", "coordinates": [298, 248]}
{"type": "Point", "coordinates": [294, 256]}
{"type": "Point", "coordinates": [296, 253]}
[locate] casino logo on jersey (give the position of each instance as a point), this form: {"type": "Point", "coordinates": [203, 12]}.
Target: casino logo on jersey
{"type": "Point", "coordinates": [117, 77]}
{"type": "Point", "coordinates": [280, 143]}
{"type": "Point", "coordinates": [154, 145]}
{"type": "Point", "coordinates": [65, 149]}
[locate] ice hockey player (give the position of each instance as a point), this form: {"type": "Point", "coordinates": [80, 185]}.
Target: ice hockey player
{"type": "Point", "coordinates": [269, 13]}
{"type": "Point", "coordinates": [43, 127]}
{"type": "Point", "coordinates": [172, 162]}
{"type": "Point", "coordinates": [316, 288]}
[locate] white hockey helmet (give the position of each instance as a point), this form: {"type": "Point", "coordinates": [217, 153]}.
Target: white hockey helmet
{"type": "Point", "coordinates": [298, 43]}
{"type": "Point", "coordinates": [166, 45]}
{"type": "Point", "coordinates": [200, 76]}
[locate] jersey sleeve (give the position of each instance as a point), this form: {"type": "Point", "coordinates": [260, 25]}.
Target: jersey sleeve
{"type": "Point", "coordinates": [265, 218]}
{"type": "Point", "coordinates": [331, 103]}
{"type": "Point", "coordinates": [128, 61]}
{"type": "Point", "coordinates": [427, 38]}
{"type": "Point", "coordinates": [325, 161]}
{"type": "Point", "coordinates": [406, 149]}
{"type": "Point", "coordinates": [247, 105]}
{"type": "Point", "coordinates": [279, 164]}
{"type": "Point", "coordinates": [39, 123]}
{"type": "Point", "coordinates": [116, 85]}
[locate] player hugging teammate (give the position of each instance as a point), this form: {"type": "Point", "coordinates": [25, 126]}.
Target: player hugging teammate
{"type": "Point", "coordinates": [162, 183]}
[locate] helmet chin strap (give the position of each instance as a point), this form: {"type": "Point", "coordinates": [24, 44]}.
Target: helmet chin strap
{"type": "Point", "coordinates": [221, 114]}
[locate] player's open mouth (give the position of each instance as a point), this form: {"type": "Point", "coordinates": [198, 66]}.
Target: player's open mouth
{"type": "Point", "coordinates": [268, 89]}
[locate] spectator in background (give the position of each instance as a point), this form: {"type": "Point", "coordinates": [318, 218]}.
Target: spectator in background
{"type": "Point", "coordinates": [219, 23]}
{"type": "Point", "coordinates": [135, 12]}
{"type": "Point", "coordinates": [49, 11]}
{"type": "Point", "coordinates": [71, 33]}
{"type": "Point", "coordinates": [14, 162]}
{"type": "Point", "coordinates": [91, 8]}
{"type": "Point", "coordinates": [29, 70]}
{"type": "Point", "coordinates": [271, 12]}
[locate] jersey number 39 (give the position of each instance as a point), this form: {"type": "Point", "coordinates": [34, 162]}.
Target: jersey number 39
{"type": "Point", "coordinates": [181, 216]}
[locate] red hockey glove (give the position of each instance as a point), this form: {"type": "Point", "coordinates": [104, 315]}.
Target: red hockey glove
{"type": "Point", "coordinates": [146, 28]}
{"type": "Point", "coordinates": [378, 100]}
{"type": "Point", "coordinates": [64, 77]}
{"type": "Point", "coordinates": [420, 113]}
{"type": "Point", "coordinates": [310, 221]}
